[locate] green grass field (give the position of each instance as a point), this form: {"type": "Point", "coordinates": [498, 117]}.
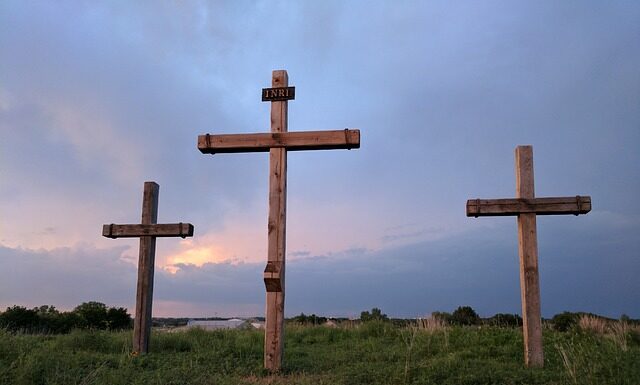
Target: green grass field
{"type": "Point", "coordinates": [373, 353]}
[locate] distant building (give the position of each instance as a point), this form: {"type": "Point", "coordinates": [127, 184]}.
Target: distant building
{"type": "Point", "coordinates": [234, 323]}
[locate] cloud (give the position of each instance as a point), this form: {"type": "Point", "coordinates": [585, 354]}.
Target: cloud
{"type": "Point", "coordinates": [65, 277]}
{"type": "Point", "coordinates": [478, 268]}
{"type": "Point", "coordinates": [95, 99]}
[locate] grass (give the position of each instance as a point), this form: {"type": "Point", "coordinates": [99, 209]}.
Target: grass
{"type": "Point", "coordinates": [373, 353]}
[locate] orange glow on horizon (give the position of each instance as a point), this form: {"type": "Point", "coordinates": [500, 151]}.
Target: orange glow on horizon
{"type": "Point", "coordinates": [193, 255]}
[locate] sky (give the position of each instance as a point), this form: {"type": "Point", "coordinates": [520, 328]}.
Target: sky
{"type": "Point", "coordinates": [98, 97]}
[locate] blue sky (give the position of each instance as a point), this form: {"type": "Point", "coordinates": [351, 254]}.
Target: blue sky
{"type": "Point", "coordinates": [95, 99]}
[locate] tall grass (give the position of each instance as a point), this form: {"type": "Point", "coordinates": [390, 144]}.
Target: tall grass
{"type": "Point", "coordinates": [593, 324]}
{"type": "Point", "coordinates": [431, 324]}
{"type": "Point", "coordinates": [597, 350]}
{"type": "Point", "coordinates": [372, 353]}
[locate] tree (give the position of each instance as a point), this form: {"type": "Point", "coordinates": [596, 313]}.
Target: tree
{"type": "Point", "coordinates": [375, 315]}
{"type": "Point", "coordinates": [465, 315]}
{"type": "Point", "coordinates": [118, 319]}
{"type": "Point", "coordinates": [309, 319]}
{"type": "Point", "coordinates": [93, 315]}
{"type": "Point", "coordinates": [301, 319]}
{"type": "Point", "coordinates": [18, 318]}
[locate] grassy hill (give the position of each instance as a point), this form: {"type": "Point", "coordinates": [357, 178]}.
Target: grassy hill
{"type": "Point", "coordinates": [371, 353]}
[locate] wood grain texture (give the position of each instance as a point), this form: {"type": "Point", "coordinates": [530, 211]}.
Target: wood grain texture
{"type": "Point", "coordinates": [157, 230]}
{"type": "Point", "coordinates": [528, 253]}
{"type": "Point", "coordinates": [541, 206]}
{"type": "Point", "coordinates": [146, 262]}
{"type": "Point", "coordinates": [292, 141]}
{"type": "Point", "coordinates": [274, 322]}
{"type": "Point", "coordinates": [273, 276]}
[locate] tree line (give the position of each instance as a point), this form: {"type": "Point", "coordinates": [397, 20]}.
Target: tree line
{"type": "Point", "coordinates": [467, 316]}
{"type": "Point", "coordinates": [48, 319]}
{"type": "Point", "coordinates": [97, 316]}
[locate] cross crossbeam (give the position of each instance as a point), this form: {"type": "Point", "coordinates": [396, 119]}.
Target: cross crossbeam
{"type": "Point", "coordinates": [114, 231]}
{"type": "Point", "coordinates": [292, 141]}
{"type": "Point", "coordinates": [526, 207]}
{"type": "Point", "coordinates": [148, 231]}
{"type": "Point", "coordinates": [540, 206]}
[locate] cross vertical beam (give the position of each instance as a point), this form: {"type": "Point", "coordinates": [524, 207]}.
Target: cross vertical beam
{"type": "Point", "coordinates": [528, 252]}
{"type": "Point", "coordinates": [146, 262]}
{"type": "Point", "coordinates": [147, 231]}
{"type": "Point", "coordinates": [274, 322]}
{"type": "Point", "coordinates": [278, 142]}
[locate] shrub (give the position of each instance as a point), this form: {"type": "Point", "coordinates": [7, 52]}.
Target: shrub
{"type": "Point", "coordinates": [375, 315]}
{"type": "Point", "coordinates": [465, 315]}
{"type": "Point", "coordinates": [506, 320]}
{"type": "Point", "coordinates": [564, 321]}
{"type": "Point", "coordinates": [93, 314]}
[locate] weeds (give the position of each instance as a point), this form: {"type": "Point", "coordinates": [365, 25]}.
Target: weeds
{"type": "Point", "coordinates": [431, 324]}
{"type": "Point", "coordinates": [593, 324]}
{"type": "Point", "coordinates": [408, 335]}
{"type": "Point", "coordinates": [374, 353]}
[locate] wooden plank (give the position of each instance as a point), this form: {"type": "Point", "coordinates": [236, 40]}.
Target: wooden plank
{"type": "Point", "coordinates": [541, 206]}
{"type": "Point", "coordinates": [292, 141]}
{"type": "Point", "coordinates": [528, 253]}
{"type": "Point", "coordinates": [146, 261]}
{"type": "Point", "coordinates": [273, 276]}
{"type": "Point", "coordinates": [157, 230]}
{"type": "Point", "coordinates": [274, 322]}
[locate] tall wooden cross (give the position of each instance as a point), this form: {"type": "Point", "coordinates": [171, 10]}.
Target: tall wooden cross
{"type": "Point", "coordinates": [277, 142]}
{"type": "Point", "coordinates": [525, 206]}
{"type": "Point", "coordinates": [148, 231]}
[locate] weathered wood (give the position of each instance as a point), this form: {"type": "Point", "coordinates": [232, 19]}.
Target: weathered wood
{"type": "Point", "coordinates": [157, 230]}
{"type": "Point", "coordinates": [147, 230]}
{"type": "Point", "coordinates": [292, 141]}
{"type": "Point", "coordinates": [526, 206]}
{"type": "Point", "coordinates": [274, 322]}
{"type": "Point", "coordinates": [278, 142]}
{"type": "Point", "coordinates": [146, 264]}
{"type": "Point", "coordinates": [528, 253]}
{"type": "Point", "coordinates": [273, 276]}
{"type": "Point", "coordinates": [541, 206]}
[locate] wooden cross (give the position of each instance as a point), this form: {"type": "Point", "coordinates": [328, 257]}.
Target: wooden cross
{"type": "Point", "coordinates": [526, 207]}
{"type": "Point", "coordinates": [277, 142]}
{"type": "Point", "coordinates": [148, 230]}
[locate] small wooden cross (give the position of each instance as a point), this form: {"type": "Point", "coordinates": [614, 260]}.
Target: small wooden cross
{"type": "Point", "coordinates": [147, 231]}
{"type": "Point", "coordinates": [277, 142]}
{"type": "Point", "coordinates": [526, 207]}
